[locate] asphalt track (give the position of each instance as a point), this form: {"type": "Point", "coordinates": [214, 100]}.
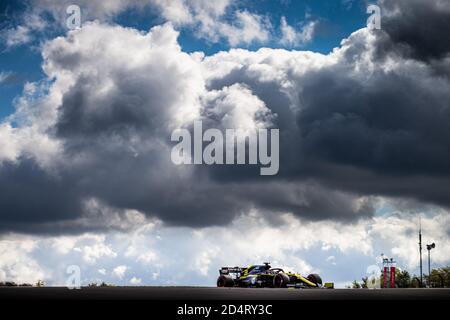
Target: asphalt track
{"type": "Point", "coordinates": [210, 293]}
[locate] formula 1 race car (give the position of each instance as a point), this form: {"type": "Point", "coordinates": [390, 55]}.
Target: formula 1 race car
{"type": "Point", "coordinates": [264, 276]}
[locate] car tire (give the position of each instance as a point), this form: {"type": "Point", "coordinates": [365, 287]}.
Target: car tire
{"type": "Point", "coordinates": [225, 281]}
{"type": "Point", "coordinates": [280, 280]}
{"type": "Point", "coordinates": [315, 278]}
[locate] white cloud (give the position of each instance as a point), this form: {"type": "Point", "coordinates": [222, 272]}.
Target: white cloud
{"type": "Point", "coordinates": [102, 271]}
{"type": "Point", "coordinates": [401, 233]}
{"type": "Point", "coordinates": [9, 145]}
{"type": "Point", "coordinates": [135, 281]}
{"type": "Point", "coordinates": [332, 260]}
{"type": "Point", "coordinates": [292, 37]}
{"type": "Point", "coordinates": [17, 263]}
{"type": "Point", "coordinates": [24, 32]}
{"type": "Point", "coordinates": [209, 19]}
{"type": "Point", "coordinates": [248, 28]}
{"type": "Point", "coordinates": [193, 256]}
{"type": "Point", "coordinates": [237, 107]}
{"type": "Point", "coordinates": [91, 253]}
{"type": "Point", "coordinates": [119, 271]}
{"type": "Point", "coordinates": [147, 257]}
{"type": "Point", "coordinates": [37, 112]}
{"type": "Point", "coordinates": [30, 138]}
{"type": "Point", "coordinates": [156, 50]}
{"type": "Point", "coordinates": [4, 75]}
{"type": "Point", "coordinates": [177, 11]}
{"type": "Point", "coordinates": [17, 36]}
{"type": "Point", "coordinates": [65, 244]}
{"type": "Point", "coordinates": [91, 247]}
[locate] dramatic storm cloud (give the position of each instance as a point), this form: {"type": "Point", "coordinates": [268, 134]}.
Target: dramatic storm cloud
{"type": "Point", "coordinates": [368, 119]}
{"type": "Point", "coordinates": [418, 28]}
{"type": "Point", "coordinates": [86, 176]}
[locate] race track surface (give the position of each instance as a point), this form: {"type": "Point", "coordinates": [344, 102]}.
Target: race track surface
{"type": "Point", "coordinates": [209, 293]}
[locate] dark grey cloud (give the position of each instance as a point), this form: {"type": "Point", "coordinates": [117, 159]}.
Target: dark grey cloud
{"type": "Point", "coordinates": [417, 28]}
{"type": "Point", "coordinates": [353, 125]}
{"type": "Point", "coordinates": [29, 196]}
{"type": "Point", "coordinates": [384, 132]}
{"type": "Point", "coordinates": [391, 124]}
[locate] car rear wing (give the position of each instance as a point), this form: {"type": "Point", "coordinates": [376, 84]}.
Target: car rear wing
{"type": "Point", "coordinates": [228, 270]}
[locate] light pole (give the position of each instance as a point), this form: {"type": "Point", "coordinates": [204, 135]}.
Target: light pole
{"type": "Point", "coordinates": [420, 250]}
{"type": "Point", "coordinates": [429, 247]}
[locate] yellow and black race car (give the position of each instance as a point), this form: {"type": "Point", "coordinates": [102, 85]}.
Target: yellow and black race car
{"type": "Point", "coordinates": [264, 276]}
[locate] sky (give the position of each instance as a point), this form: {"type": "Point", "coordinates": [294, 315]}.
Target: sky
{"type": "Point", "coordinates": [87, 113]}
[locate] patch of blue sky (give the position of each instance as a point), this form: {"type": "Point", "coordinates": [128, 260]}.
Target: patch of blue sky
{"type": "Point", "coordinates": [337, 20]}
{"type": "Point", "coordinates": [23, 65]}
